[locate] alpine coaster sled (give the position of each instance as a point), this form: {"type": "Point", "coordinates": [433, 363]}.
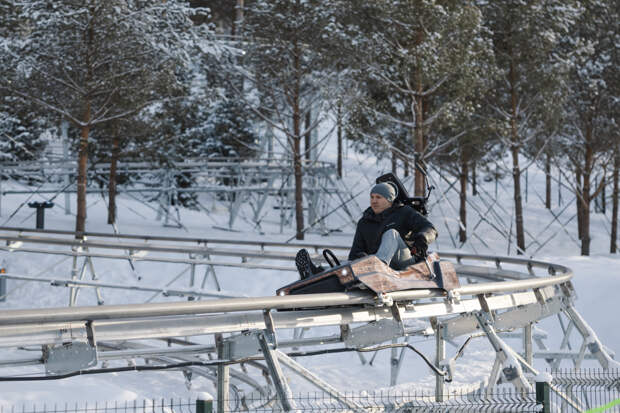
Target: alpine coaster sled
{"type": "Point", "coordinates": [373, 274]}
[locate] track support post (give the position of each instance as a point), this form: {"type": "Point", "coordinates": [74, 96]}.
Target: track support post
{"type": "Point", "coordinates": [507, 361]}
{"type": "Point", "coordinates": [440, 355]}
{"type": "Point", "coordinates": [271, 358]}
{"type": "Point", "coordinates": [590, 340]}
{"type": "Point", "coordinates": [318, 382]}
{"type": "Point", "coordinates": [527, 344]}
{"type": "Point", "coordinates": [223, 377]}
{"type": "Point", "coordinates": [74, 271]}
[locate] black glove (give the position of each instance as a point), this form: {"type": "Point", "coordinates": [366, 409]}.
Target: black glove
{"type": "Point", "coordinates": [419, 245]}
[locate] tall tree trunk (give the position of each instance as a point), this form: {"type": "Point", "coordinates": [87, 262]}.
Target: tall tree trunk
{"type": "Point", "coordinates": [80, 220]}
{"type": "Point", "coordinates": [307, 136]}
{"type": "Point", "coordinates": [299, 209]}
{"type": "Point", "coordinates": [394, 162]}
{"type": "Point", "coordinates": [474, 179]}
{"type": "Point", "coordinates": [603, 195]}
{"type": "Point", "coordinates": [585, 220]}
{"type": "Point", "coordinates": [112, 181]}
{"type": "Point", "coordinates": [463, 198]}
{"type": "Point", "coordinates": [419, 143]}
{"type": "Point", "coordinates": [578, 200]}
{"type": "Point", "coordinates": [238, 19]}
{"type": "Point", "coordinates": [516, 171]}
{"type": "Point", "coordinates": [548, 181]}
{"type": "Point", "coordinates": [587, 196]}
{"type": "Point", "coordinates": [339, 134]}
{"type": "Point", "coordinates": [419, 132]}
{"type": "Point", "coordinates": [613, 248]}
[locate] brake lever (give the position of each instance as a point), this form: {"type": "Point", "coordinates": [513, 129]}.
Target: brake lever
{"type": "Point", "coordinates": [426, 261]}
{"type": "Point", "coordinates": [430, 267]}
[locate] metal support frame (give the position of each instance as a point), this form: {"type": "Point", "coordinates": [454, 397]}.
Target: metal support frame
{"type": "Point", "coordinates": [396, 362]}
{"type": "Point", "coordinates": [269, 351]}
{"type": "Point", "coordinates": [75, 288]}
{"type": "Point", "coordinates": [495, 306]}
{"type": "Point", "coordinates": [506, 359]}
{"type": "Point", "coordinates": [318, 382]}
{"type": "Point", "coordinates": [209, 270]}
{"type": "Point", "coordinates": [440, 355]}
{"type": "Point", "coordinates": [74, 276]}
{"type": "Point", "coordinates": [485, 205]}
{"type": "Point", "coordinates": [223, 377]}
{"type": "Point", "coordinates": [237, 201]}
{"type": "Point", "coordinates": [247, 179]}
{"type": "Point", "coordinates": [490, 213]}
{"type": "Point", "coordinates": [527, 344]}
{"type": "Point", "coordinates": [591, 341]}
{"type": "Point", "coordinates": [262, 199]}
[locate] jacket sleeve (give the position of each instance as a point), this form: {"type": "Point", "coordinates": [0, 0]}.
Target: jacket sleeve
{"type": "Point", "coordinates": [419, 224]}
{"type": "Point", "coordinates": [358, 249]}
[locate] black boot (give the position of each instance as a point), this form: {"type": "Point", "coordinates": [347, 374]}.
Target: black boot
{"type": "Point", "coordinates": [304, 264]}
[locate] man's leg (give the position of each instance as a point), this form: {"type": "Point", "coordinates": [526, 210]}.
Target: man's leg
{"type": "Point", "coordinates": [394, 251]}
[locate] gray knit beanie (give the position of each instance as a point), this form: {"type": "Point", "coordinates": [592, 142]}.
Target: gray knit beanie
{"type": "Point", "coordinates": [386, 190]}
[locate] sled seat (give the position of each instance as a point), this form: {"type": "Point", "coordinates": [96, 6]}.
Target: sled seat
{"type": "Point", "coordinates": [372, 273]}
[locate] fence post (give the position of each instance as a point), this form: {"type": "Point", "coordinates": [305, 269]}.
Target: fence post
{"type": "Point", "coordinates": [204, 403]}
{"type": "Point", "coordinates": [542, 396]}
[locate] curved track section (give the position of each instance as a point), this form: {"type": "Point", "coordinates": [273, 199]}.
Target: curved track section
{"type": "Point", "coordinates": [499, 296]}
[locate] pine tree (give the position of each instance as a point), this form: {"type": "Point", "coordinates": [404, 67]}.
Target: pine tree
{"type": "Point", "coordinates": [20, 127]}
{"type": "Point", "coordinates": [286, 69]}
{"type": "Point", "coordinates": [96, 62]}
{"type": "Point", "coordinates": [524, 36]}
{"type": "Point", "coordinates": [458, 155]}
{"type": "Point", "coordinates": [21, 131]}
{"type": "Point", "coordinates": [590, 134]}
{"type": "Point", "coordinates": [421, 54]}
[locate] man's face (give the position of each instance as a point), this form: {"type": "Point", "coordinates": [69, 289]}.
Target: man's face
{"type": "Point", "coordinates": [378, 204]}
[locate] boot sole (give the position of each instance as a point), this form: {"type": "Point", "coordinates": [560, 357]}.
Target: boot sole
{"type": "Point", "coordinates": [302, 262]}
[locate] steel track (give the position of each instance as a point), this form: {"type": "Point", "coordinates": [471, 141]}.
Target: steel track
{"type": "Point", "coordinates": [497, 294]}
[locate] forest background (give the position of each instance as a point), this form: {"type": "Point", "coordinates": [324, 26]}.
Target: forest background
{"type": "Point", "coordinates": [460, 85]}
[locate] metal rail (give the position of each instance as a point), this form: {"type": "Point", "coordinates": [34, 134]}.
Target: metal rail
{"type": "Point", "coordinates": [289, 302]}
{"type": "Point", "coordinates": [203, 248]}
{"type": "Point", "coordinates": [506, 300]}
{"type": "Point", "coordinates": [145, 238]}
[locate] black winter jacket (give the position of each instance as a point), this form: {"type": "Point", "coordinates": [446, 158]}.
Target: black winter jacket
{"type": "Point", "coordinates": [406, 220]}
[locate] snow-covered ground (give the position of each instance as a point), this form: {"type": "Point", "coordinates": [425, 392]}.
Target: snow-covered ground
{"type": "Point", "coordinates": [597, 281]}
